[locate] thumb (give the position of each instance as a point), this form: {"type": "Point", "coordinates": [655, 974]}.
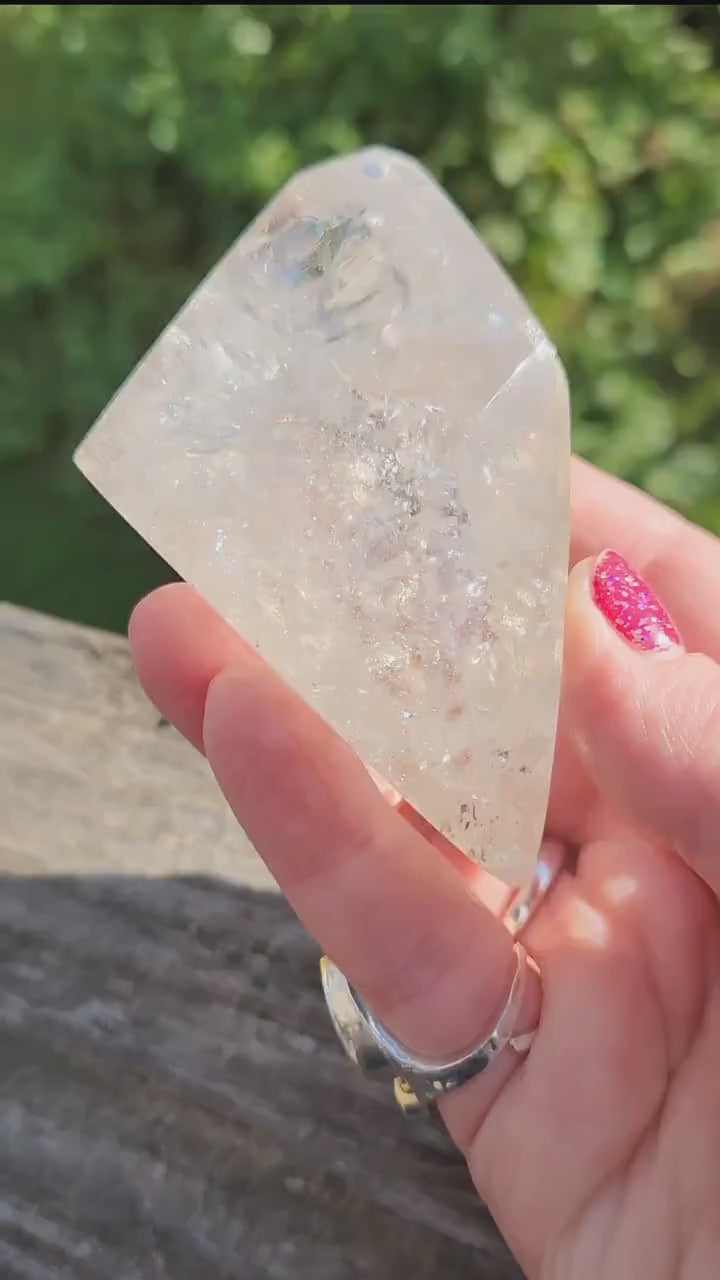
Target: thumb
{"type": "Point", "coordinates": [644, 713]}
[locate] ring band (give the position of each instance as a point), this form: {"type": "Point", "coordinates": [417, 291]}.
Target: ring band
{"type": "Point", "coordinates": [418, 1080]}
{"type": "Point", "coordinates": [418, 1083]}
{"type": "Point", "coordinates": [525, 902]}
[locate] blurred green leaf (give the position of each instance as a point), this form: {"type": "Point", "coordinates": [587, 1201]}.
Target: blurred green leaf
{"type": "Point", "coordinates": [580, 139]}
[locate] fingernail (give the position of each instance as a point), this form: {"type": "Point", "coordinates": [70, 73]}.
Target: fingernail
{"type": "Point", "coordinates": [629, 605]}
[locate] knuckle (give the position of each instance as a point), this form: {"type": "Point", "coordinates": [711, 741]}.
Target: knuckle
{"type": "Point", "coordinates": [688, 726]}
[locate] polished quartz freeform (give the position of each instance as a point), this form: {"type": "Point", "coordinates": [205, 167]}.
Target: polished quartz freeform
{"type": "Point", "coordinates": [354, 441]}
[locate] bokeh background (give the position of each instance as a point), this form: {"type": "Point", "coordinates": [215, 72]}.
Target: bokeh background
{"type": "Point", "coordinates": [138, 140]}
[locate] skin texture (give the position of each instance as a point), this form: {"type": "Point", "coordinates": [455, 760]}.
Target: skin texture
{"type": "Point", "coordinates": [598, 1153]}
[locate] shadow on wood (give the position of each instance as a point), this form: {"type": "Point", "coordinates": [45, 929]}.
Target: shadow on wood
{"type": "Point", "coordinates": [175, 1104]}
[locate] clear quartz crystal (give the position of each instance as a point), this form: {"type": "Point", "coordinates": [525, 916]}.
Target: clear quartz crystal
{"type": "Point", "coordinates": [354, 441]}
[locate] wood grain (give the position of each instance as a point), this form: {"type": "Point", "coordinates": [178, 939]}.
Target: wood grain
{"type": "Point", "coordinates": [173, 1103]}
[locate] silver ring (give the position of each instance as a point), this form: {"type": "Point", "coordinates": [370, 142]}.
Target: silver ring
{"type": "Point", "coordinates": [369, 1044]}
{"type": "Point", "coordinates": [525, 902]}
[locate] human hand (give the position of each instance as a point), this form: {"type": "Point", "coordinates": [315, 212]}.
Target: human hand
{"type": "Point", "coordinates": [598, 1152]}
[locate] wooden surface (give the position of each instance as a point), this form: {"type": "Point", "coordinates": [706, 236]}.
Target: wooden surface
{"type": "Point", "coordinates": [173, 1103]}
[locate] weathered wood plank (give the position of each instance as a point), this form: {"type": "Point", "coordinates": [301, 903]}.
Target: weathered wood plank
{"type": "Point", "coordinates": [174, 1104]}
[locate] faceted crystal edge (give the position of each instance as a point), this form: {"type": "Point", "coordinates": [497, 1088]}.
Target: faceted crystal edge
{"type": "Point", "coordinates": [368, 156]}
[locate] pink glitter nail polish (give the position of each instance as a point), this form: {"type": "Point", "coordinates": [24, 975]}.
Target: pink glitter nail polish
{"type": "Point", "coordinates": [630, 606]}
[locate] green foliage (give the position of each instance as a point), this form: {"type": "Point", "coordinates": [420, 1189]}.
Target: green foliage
{"type": "Point", "coordinates": [581, 139]}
